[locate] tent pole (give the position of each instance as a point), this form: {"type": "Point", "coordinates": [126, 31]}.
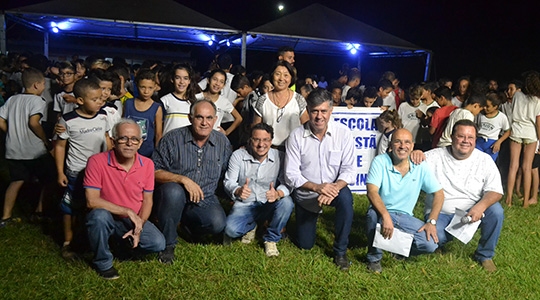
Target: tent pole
{"type": "Point", "coordinates": [243, 51]}
{"type": "Point", "coordinates": [3, 45]}
{"type": "Point", "coordinates": [428, 65]}
{"type": "Point", "coordinates": [46, 44]}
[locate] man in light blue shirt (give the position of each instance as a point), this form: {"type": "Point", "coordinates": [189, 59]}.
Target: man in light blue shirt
{"type": "Point", "coordinates": [254, 180]}
{"type": "Point", "coordinates": [393, 187]}
{"type": "Point", "coordinates": [319, 164]}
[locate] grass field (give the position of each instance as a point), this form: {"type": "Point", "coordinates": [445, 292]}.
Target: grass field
{"type": "Point", "coordinates": [33, 269]}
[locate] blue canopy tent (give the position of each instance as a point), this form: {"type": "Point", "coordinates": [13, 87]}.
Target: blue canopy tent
{"type": "Point", "coordinates": [156, 20]}
{"type": "Point", "coordinates": [315, 29]}
{"type": "Point", "coordinates": [318, 29]}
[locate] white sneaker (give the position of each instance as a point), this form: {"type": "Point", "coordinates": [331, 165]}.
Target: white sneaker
{"type": "Point", "coordinates": [270, 249]}
{"type": "Point", "coordinates": [249, 236]}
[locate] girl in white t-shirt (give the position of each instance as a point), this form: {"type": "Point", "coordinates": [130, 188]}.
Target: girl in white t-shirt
{"type": "Point", "coordinates": [216, 82]}
{"type": "Point", "coordinates": [388, 121]}
{"type": "Point", "coordinates": [525, 133]}
{"type": "Point", "coordinates": [491, 124]}
{"type": "Point", "coordinates": [176, 104]}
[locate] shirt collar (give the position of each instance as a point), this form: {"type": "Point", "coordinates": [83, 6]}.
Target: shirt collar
{"type": "Point", "coordinates": [111, 161]}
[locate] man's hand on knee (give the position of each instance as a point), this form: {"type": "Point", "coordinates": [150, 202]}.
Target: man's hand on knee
{"type": "Point", "coordinates": [194, 190]}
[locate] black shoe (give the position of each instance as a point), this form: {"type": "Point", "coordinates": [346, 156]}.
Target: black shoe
{"type": "Point", "coordinates": [167, 256]}
{"type": "Point", "coordinates": [109, 274]}
{"type": "Point", "coordinates": [342, 262]}
{"type": "Point", "coordinates": [375, 267]}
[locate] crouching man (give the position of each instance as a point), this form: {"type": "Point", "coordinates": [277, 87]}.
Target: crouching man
{"type": "Point", "coordinates": [119, 185]}
{"type": "Point", "coordinates": [255, 181]}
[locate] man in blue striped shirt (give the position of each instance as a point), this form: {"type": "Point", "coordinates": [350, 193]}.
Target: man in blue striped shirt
{"type": "Point", "coordinates": [189, 163]}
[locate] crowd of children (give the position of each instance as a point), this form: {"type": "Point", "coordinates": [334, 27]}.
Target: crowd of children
{"type": "Point", "coordinates": [89, 96]}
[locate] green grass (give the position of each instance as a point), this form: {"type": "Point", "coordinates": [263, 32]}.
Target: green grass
{"type": "Point", "coordinates": [33, 269]}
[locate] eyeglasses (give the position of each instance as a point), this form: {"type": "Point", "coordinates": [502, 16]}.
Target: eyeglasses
{"type": "Point", "coordinates": [124, 139]}
{"type": "Point", "coordinates": [280, 114]}
{"type": "Point", "coordinates": [256, 140]}
{"type": "Point", "coordinates": [67, 74]}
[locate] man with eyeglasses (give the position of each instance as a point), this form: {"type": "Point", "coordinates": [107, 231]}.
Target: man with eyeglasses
{"type": "Point", "coordinates": [119, 186]}
{"type": "Point", "coordinates": [319, 165]}
{"type": "Point", "coordinates": [189, 163]}
{"type": "Point", "coordinates": [254, 180]}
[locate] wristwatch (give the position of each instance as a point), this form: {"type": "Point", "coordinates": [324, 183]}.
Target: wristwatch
{"type": "Point", "coordinates": [432, 221]}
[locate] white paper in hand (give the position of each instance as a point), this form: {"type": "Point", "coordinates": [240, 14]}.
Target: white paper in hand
{"type": "Point", "coordinates": [462, 231]}
{"type": "Point", "coordinates": [400, 243]}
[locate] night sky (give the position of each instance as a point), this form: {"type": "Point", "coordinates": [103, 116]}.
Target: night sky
{"type": "Point", "coordinates": [496, 39]}
{"type": "Point", "coordinates": [480, 38]}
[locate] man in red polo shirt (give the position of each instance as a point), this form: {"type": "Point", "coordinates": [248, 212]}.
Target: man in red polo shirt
{"type": "Point", "coordinates": [119, 185]}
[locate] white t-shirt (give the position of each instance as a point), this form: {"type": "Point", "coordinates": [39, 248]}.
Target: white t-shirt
{"type": "Point", "coordinates": [456, 115]}
{"type": "Point", "coordinates": [524, 112]}
{"type": "Point", "coordinates": [506, 108]}
{"type": "Point", "coordinates": [491, 128]}
{"type": "Point", "coordinates": [223, 107]}
{"type": "Point", "coordinates": [21, 142]}
{"type": "Point", "coordinates": [344, 92]}
{"type": "Point", "coordinates": [423, 107]}
{"type": "Point", "coordinates": [61, 106]}
{"type": "Point", "coordinates": [390, 100]}
{"type": "Point", "coordinates": [290, 115]}
{"type": "Point", "coordinates": [176, 112]}
{"type": "Point", "coordinates": [456, 102]}
{"type": "Point", "coordinates": [226, 92]}
{"type": "Point", "coordinates": [464, 181]}
{"type": "Point", "coordinates": [86, 137]}
{"type": "Point", "coordinates": [407, 113]}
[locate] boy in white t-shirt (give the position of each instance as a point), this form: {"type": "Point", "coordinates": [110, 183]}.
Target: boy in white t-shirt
{"type": "Point", "coordinates": [490, 125]}
{"type": "Point", "coordinates": [26, 142]}
{"type": "Point", "coordinates": [407, 111]}
{"type": "Point", "coordinates": [87, 134]}
{"type": "Point", "coordinates": [65, 101]}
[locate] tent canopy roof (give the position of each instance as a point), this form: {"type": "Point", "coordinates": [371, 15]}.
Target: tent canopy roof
{"type": "Point", "coordinates": [125, 19]}
{"type": "Point", "coordinates": [319, 29]}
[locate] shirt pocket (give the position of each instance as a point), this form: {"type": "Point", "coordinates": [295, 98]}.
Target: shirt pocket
{"type": "Point", "coordinates": [334, 158]}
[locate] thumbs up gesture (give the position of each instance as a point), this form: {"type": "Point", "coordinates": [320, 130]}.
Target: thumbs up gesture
{"type": "Point", "coordinates": [272, 194]}
{"type": "Point", "coordinates": [244, 191]}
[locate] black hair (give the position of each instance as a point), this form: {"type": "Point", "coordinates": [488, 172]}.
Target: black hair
{"type": "Point", "coordinates": [82, 86]}
{"type": "Point", "coordinates": [464, 122]}
{"type": "Point", "coordinates": [443, 91]}
{"type": "Point", "coordinates": [145, 74]}
{"type": "Point", "coordinates": [476, 98]}
{"type": "Point", "coordinates": [370, 92]}
{"type": "Point", "coordinates": [384, 84]}
{"type": "Point", "coordinates": [238, 82]}
{"type": "Point", "coordinates": [262, 126]}
{"type": "Point", "coordinates": [224, 61]}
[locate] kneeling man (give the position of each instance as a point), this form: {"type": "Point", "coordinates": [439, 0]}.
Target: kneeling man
{"type": "Point", "coordinates": [393, 187]}
{"type": "Point", "coordinates": [254, 180]}
{"type": "Point", "coordinates": [119, 185]}
{"type": "Point", "coordinates": [471, 182]}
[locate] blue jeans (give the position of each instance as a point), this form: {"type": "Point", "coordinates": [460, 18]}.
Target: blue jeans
{"type": "Point", "coordinates": [403, 222]}
{"type": "Point", "coordinates": [172, 206]}
{"type": "Point", "coordinates": [306, 222]}
{"type": "Point", "coordinates": [244, 217]}
{"type": "Point", "coordinates": [490, 230]}
{"type": "Point", "coordinates": [101, 225]}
